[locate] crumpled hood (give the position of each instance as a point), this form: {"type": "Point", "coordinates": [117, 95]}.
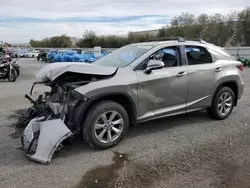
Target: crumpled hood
{"type": "Point", "coordinates": [52, 71]}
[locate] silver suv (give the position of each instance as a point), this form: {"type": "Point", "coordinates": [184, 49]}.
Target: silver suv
{"type": "Point", "coordinates": [136, 83]}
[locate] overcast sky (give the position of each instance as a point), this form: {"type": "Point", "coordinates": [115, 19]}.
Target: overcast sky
{"type": "Point", "coordinates": [21, 20]}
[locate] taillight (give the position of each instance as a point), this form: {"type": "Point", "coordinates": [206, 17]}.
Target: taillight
{"type": "Point", "coordinates": [241, 67]}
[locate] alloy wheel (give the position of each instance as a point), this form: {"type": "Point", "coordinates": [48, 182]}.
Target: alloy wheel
{"type": "Point", "coordinates": [108, 126]}
{"type": "Point", "coordinates": [225, 103]}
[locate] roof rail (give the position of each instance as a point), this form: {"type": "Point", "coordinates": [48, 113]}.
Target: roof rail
{"type": "Point", "coordinates": [179, 39]}
{"type": "Point", "coordinates": [200, 40]}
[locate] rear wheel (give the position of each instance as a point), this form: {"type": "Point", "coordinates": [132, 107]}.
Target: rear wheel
{"type": "Point", "coordinates": [105, 124]}
{"type": "Point", "coordinates": [223, 104]}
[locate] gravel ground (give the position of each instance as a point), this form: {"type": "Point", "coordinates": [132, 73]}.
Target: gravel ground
{"type": "Point", "coordinates": [184, 151]}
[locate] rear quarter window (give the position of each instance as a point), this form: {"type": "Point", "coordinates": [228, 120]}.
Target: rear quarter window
{"type": "Point", "coordinates": [220, 53]}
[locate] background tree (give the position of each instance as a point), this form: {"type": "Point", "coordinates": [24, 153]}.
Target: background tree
{"type": "Point", "coordinates": [244, 26]}
{"type": "Point", "coordinates": [88, 39]}
{"type": "Point", "coordinates": [232, 29]}
{"type": "Point", "coordinates": [62, 41]}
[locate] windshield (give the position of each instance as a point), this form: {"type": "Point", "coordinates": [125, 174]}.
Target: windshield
{"type": "Point", "coordinates": [122, 57]}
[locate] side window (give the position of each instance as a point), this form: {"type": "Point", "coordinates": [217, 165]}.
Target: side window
{"type": "Point", "coordinates": [169, 56]}
{"type": "Point", "coordinates": [198, 55]}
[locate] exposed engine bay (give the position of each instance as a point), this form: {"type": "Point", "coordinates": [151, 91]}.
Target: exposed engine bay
{"type": "Point", "coordinates": [51, 118]}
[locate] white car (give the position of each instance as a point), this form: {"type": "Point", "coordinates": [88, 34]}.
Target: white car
{"type": "Point", "coordinates": [33, 53]}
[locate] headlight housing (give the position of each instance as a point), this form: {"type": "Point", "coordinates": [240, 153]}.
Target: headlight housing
{"type": "Point", "coordinates": [75, 95]}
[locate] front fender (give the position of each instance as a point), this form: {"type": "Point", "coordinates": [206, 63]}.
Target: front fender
{"type": "Point", "coordinates": [106, 88]}
{"type": "Point", "coordinates": [123, 82]}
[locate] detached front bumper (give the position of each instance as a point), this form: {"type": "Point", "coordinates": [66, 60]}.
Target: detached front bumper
{"type": "Point", "coordinates": [42, 138]}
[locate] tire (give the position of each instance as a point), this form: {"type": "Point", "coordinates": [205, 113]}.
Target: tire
{"type": "Point", "coordinates": [13, 76]}
{"type": "Point", "coordinates": [17, 71]}
{"type": "Point", "coordinates": [93, 116]}
{"type": "Point", "coordinates": [215, 111]}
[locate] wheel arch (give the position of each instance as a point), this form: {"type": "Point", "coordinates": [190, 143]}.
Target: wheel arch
{"type": "Point", "coordinates": [80, 111]}
{"type": "Point", "coordinates": [232, 85]}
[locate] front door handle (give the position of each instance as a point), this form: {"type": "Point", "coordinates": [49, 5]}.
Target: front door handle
{"type": "Point", "coordinates": [218, 69]}
{"type": "Point", "coordinates": [180, 74]}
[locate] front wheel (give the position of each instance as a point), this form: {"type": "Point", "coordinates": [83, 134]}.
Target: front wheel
{"type": "Point", "coordinates": [105, 124]}
{"type": "Point", "coordinates": [17, 72]}
{"type": "Point", "coordinates": [12, 76]}
{"type": "Point", "coordinates": [223, 104]}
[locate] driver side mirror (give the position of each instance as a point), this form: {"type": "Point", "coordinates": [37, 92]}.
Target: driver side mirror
{"type": "Point", "coordinates": [153, 65]}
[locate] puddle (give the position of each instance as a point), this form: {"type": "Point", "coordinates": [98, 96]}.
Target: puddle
{"type": "Point", "coordinates": [122, 173]}
{"type": "Point", "coordinates": [103, 176]}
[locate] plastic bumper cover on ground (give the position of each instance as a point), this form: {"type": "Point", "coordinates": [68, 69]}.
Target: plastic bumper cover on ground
{"type": "Point", "coordinates": [42, 138]}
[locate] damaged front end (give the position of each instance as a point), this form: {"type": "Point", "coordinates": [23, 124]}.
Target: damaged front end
{"type": "Point", "coordinates": [51, 118]}
{"type": "Point", "coordinates": [48, 122]}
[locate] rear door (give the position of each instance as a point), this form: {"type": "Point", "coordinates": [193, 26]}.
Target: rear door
{"type": "Point", "coordinates": [164, 91]}
{"type": "Point", "coordinates": [201, 68]}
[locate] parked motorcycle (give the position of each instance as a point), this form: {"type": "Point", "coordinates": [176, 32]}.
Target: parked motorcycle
{"type": "Point", "coordinates": [16, 66]}
{"type": "Point", "coordinates": [9, 70]}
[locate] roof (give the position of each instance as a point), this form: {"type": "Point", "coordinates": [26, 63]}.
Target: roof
{"type": "Point", "coordinates": [172, 42]}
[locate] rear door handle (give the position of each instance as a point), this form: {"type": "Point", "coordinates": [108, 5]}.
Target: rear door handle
{"type": "Point", "coordinates": [218, 69]}
{"type": "Point", "coordinates": [180, 74]}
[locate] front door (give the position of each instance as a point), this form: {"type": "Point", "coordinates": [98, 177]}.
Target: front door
{"type": "Point", "coordinates": [164, 91]}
